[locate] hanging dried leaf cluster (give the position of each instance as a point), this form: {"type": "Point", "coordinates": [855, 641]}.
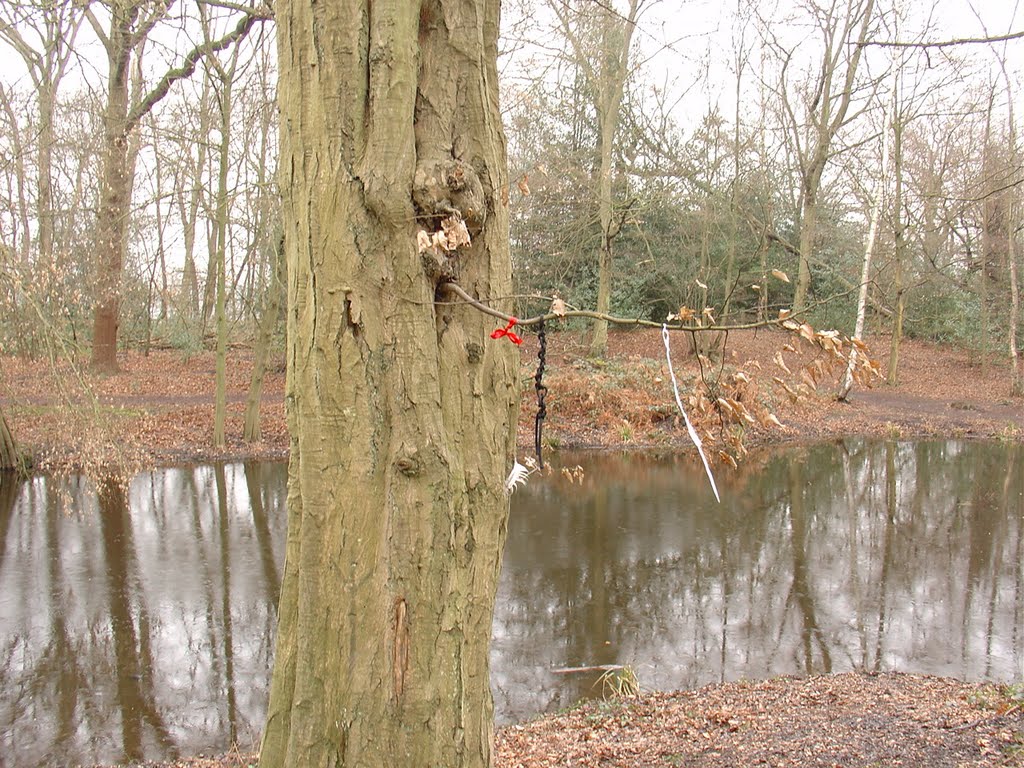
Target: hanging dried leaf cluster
{"type": "Point", "coordinates": [452, 235]}
{"type": "Point", "coordinates": [836, 353]}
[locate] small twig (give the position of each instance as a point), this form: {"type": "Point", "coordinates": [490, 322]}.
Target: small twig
{"type": "Point", "coordinates": [592, 668]}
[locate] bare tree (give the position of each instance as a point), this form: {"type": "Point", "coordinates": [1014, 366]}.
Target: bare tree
{"type": "Point", "coordinates": [124, 33]}
{"type": "Point", "coordinates": [605, 68]}
{"type": "Point", "coordinates": [841, 27]}
{"type": "Point", "coordinates": [43, 34]}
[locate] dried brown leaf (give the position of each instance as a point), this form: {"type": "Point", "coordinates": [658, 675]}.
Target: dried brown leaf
{"type": "Point", "coordinates": [781, 363]}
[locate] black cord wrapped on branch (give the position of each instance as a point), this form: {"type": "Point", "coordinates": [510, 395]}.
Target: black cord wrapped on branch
{"type": "Point", "coordinates": [538, 384]}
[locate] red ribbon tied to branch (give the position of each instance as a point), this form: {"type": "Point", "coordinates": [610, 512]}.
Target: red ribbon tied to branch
{"type": "Point", "coordinates": [497, 333]}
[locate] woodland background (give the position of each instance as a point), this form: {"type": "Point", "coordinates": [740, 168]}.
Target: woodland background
{"type": "Point", "coordinates": [714, 162]}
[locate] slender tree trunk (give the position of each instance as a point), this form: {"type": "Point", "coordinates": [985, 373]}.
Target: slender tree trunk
{"type": "Point", "coordinates": [865, 275]}
{"type": "Point", "coordinates": [401, 411]}
{"type": "Point", "coordinates": [44, 159]}
{"type": "Point", "coordinates": [616, 38]}
{"type": "Point", "coordinates": [1016, 363]}
{"type": "Point", "coordinates": [899, 253]}
{"type": "Point", "coordinates": [808, 235]}
{"type": "Point", "coordinates": [987, 237]}
{"type": "Point", "coordinates": [219, 267]}
{"type": "Point", "coordinates": [161, 248]}
{"type": "Point", "coordinates": [268, 322]}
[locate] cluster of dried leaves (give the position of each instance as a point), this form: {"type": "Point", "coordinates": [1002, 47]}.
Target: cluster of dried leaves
{"type": "Point", "coordinates": [785, 381]}
{"type": "Point", "coordinates": [732, 400]}
{"type": "Point", "coordinates": [453, 234]}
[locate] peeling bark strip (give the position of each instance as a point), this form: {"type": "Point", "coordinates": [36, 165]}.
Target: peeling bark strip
{"type": "Point", "coordinates": [400, 659]}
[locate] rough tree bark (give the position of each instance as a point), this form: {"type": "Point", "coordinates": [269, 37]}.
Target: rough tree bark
{"type": "Point", "coordinates": [115, 187]}
{"type": "Point", "coordinates": [401, 410]}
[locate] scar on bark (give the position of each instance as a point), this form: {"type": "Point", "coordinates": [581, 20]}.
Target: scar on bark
{"type": "Point", "coordinates": [400, 659]}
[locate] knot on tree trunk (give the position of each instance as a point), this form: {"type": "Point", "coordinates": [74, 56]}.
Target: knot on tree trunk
{"type": "Point", "coordinates": [447, 187]}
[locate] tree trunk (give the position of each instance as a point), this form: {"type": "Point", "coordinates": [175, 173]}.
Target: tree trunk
{"type": "Point", "coordinates": [808, 234]}
{"type": "Point", "coordinates": [892, 377]}
{"type": "Point", "coordinates": [900, 244]}
{"type": "Point", "coordinates": [865, 275]}
{"type": "Point", "coordinates": [115, 193]}
{"type": "Point", "coordinates": [219, 267]}
{"type": "Point", "coordinates": [401, 411]}
{"type": "Point", "coordinates": [1016, 364]}
{"type": "Point", "coordinates": [268, 322]}
{"type": "Point", "coordinates": [44, 160]}
{"type": "Point", "coordinates": [10, 456]}
{"type": "Point", "coordinates": [616, 38]}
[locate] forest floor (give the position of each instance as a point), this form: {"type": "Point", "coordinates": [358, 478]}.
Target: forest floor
{"type": "Point", "coordinates": [159, 410]}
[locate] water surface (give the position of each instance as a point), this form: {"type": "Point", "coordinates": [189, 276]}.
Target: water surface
{"type": "Point", "coordinates": [140, 625]}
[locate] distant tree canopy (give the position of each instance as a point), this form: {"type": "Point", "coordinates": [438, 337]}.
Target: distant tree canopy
{"type": "Point", "coordinates": [713, 212]}
{"type": "Point", "coordinates": [691, 178]}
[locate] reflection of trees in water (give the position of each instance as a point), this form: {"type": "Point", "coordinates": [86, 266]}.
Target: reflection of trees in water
{"type": "Point", "coordinates": [132, 644]}
{"type": "Point", "coordinates": [828, 559]}
{"type": "Point", "coordinates": [880, 556]}
{"type": "Point", "coordinates": [135, 624]}
{"type": "Point", "coordinates": [1018, 557]}
{"type": "Point", "coordinates": [258, 488]}
{"type": "Point", "coordinates": [801, 589]}
{"type": "Point", "coordinates": [59, 658]}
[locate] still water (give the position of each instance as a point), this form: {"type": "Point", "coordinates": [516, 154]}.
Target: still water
{"type": "Point", "coordinates": [140, 625]}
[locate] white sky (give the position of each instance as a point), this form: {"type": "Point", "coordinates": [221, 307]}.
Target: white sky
{"type": "Point", "coordinates": [687, 46]}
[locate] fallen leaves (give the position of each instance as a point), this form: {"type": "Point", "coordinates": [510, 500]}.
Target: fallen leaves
{"type": "Point", "coordinates": [850, 719]}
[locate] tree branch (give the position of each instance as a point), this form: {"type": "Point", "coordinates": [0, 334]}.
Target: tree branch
{"type": "Point", "coordinates": [192, 60]}
{"type": "Point", "coordinates": [943, 43]}
{"type": "Point", "coordinates": [460, 292]}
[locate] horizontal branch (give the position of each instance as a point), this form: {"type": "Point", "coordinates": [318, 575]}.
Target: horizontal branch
{"type": "Point", "coordinates": [944, 43]}
{"type": "Point", "coordinates": [460, 292]}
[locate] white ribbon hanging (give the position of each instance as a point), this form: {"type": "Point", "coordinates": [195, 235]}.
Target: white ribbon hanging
{"type": "Point", "coordinates": [679, 404]}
